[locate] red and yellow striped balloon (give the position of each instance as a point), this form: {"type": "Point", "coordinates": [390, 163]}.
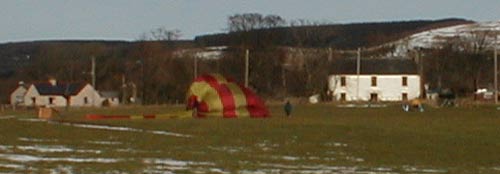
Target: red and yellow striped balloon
{"type": "Point", "coordinates": [215, 95]}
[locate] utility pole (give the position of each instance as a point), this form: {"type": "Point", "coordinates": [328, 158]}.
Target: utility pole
{"type": "Point", "coordinates": [358, 69]}
{"type": "Point", "coordinates": [124, 89]}
{"type": "Point", "coordinates": [143, 102]}
{"type": "Point", "coordinates": [93, 72]}
{"type": "Point", "coordinates": [247, 54]}
{"type": "Point", "coordinates": [195, 67]}
{"type": "Point", "coordinates": [421, 73]}
{"type": "Point", "coordinates": [330, 54]}
{"type": "Point", "coordinates": [93, 79]}
{"type": "Point", "coordinates": [495, 75]}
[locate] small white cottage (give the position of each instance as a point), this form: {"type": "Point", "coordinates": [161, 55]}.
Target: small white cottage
{"type": "Point", "coordinates": [17, 96]}
{"type": "Point", "coordinates": [56, 94]}
{"type": "Point", "coordinates": [378, 80]}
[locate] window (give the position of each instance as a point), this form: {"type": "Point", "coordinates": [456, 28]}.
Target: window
{"type": "Point", "coordinates": [404, 81]}
{"type": "Point", "coordinates": [19, 99]}
{"type": "Point", "coordinates": [342, 81]}
{"type": "Point", "coordinates": [374, 81]}
{"type": "Point", "coordinates": [33, 100]}
{"type": "Point", "coordinates": [51, 100]}
{"type": "Point", "coordinates": [343, 96]}
{"type": "Point", "coordinates": [405, 96]}
{"type": "Point", "coordinates": [85, 100]}
{"type": "Point", "coordinates": [373, 97]}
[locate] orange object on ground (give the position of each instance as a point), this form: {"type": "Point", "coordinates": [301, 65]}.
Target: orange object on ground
{"type": "Point", "coordinates": [46, 113]}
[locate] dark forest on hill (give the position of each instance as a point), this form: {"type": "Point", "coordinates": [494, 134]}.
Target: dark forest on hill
{"type": "Point", "coordinates": [317, 35]}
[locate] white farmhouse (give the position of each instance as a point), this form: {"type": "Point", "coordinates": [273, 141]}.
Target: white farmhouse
{"type": "Point", "coordinates": [378, 80]}
{"type": "Point", "coordinates": [56, 94]}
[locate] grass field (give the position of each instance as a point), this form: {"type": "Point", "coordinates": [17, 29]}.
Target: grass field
{"type": "Point", "coordinates": [316, 139]}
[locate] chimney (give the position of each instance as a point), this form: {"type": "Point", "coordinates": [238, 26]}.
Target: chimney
{"type": "Point", "coordinates": [53, 81]}
{"type": "Point", "coordinates": [20, 83]}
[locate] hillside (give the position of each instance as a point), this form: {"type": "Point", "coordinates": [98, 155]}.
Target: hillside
{"type": "Point", "coordinates": [477, 32]}
{"type": "Point", "coordinates": [20, 54]}
{"type": "Point", "coordinates": [340, 36]}
{"type": "Point", "coordinates": [168, 77]}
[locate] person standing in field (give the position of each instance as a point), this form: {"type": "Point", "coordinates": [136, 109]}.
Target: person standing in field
{"type": "Point", "coordinates": [288, 109]}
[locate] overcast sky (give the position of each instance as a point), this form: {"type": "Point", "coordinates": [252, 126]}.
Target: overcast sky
{"type": "Point", "coordinates": [25, 20]}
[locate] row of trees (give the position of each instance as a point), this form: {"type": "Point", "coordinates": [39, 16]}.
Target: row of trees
{"type": "Point", "coordinates": [462, 63]}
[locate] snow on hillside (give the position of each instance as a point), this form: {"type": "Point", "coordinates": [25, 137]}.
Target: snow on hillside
{"type": "Point", "coordinates": [203, 53]}
{"type": "Point", "coordinates": [211, 52]}
{"type": "Point", "coordinates": [433, 38]}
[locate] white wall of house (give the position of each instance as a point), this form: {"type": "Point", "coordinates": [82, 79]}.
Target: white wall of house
{"type": "Point", "coordinates": [17, 96]}
{"type": "Point", "coordinates": [388, 87]}
{"type": "Point", "coordinates": [33, 98]}
{"type": "Point", "coordinates": [88, 96]}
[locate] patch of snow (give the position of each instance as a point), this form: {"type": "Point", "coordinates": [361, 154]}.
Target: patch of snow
{"type": "Point", "coordinates": [30, 158]}
{"type": "Point", "coordinates": [209, 54]}
{"type": "Point", "coordinates": [170, 134]}
{"type": "Point", "coordinates": [423, 170]}
{"type": "Point", "coordinates": [62, 169]}
{"type": "Point", "coordinates": [290, 158]}
{"type": "Point", "coordinates": [433, 171]}
{"type": "Point", "coordinates": [308, 168]}
{"type": "Point", "coordinates": [5, 147]}
{"type": "Point", "coordinates": [313, 158]}
{"type": "Point", "coordinates": [88, 151]}
{"type": "Point", "coordinates": [433, 38]}
{"type": "Point", "coordinates": [36, 140]}
{"type": "Point", "coordinates": [45, 149]}
{"type": "Point", "coordinates": [362, 106]}
{"type": "Point", "coordinates": [336, 144]}
{"type": "Point", "coordinates": [32, 120]}
{"type": "Point", "coordinates": [217, 170]}
{"type": "Point", "coordinates": [130, 150]}
{"type": "Point", "coordinates": [329, 159]}
{"type": "Point", "coordinates": [251, 172]}
{"type": "Point", "coordinates": [266, 145]}
{"type": "Point", "coordinates": [227, 149]}
{"type": "Point", "coordinates": [7, 117]}
{"type": "Point", "coordinates": [169, 162]}
{"type": "Point", "coordinates": [124, 129]}
{"type": "Point", "coordinates": [12, 166]}
{"type": "Point", "coordinates": [172, 162]}
{"type": "Point", "coordinates": [355, 159]}
{"type": "Point", "coordinates": [168, 165]}
{"type": "Point", "coordinates": [105, 142]}
{"type": "Point", "coordinates": [382, 169]}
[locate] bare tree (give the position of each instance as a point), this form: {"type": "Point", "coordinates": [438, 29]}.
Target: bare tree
{"type": "Point", "coordinates": [273, 21]}
{"type": "Point", "coordinates": [460, 62]}
{"type": "Point", "coordinates": [252, 21]}
{"type": "Point", "coordinates": [161, 34]}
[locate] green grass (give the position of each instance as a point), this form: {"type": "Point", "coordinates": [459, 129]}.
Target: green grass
{"type": "Point", "coordinates": [320, 138]}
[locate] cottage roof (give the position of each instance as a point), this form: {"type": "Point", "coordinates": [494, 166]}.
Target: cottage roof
{"type": "Point", "coordinates": [375, 66]}
{"type": "Point", "coordinates": [59, 89]}
{"type": "Point", "coordinates": [109, 94]}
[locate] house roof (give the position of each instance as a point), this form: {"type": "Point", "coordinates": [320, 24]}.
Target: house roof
{"type": "Point", "coordinates": [109, 94]}
{"type": "Point", "coordinates": [375, 66]}
{"type": "Point", "coordinates": [59, 89]}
